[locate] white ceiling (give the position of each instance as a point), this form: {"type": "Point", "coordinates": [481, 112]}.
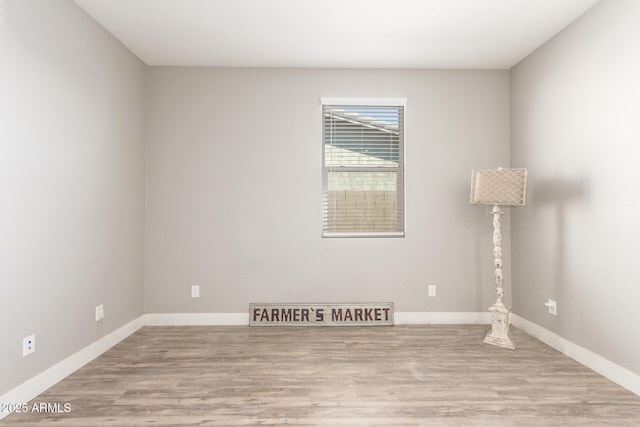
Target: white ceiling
{"type": "Point", "coordinates": [490, 34]}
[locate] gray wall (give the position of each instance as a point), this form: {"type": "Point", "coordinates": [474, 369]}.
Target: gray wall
{"type": "Point", "coordinates": [72, 153]}
{"type": "Point", "coordinates": [234, 193]}
{"type": "Point", "coordinates": [575, 123]}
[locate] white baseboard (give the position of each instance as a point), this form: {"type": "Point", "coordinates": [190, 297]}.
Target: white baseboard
{"type": "Point", "coordinates": [33, 387]}
{"type": "Point", "coordinates": [242, 319]}
{"type": "Point", "coordinates": [591, 360]}
{"type": "Point", "coordinates": [194, 319]}
{"type": "Point", "coordinates": [441, 318]}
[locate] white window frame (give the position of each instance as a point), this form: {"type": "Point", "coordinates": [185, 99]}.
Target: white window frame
{"type": "Point", "coordinates": [394, 102]}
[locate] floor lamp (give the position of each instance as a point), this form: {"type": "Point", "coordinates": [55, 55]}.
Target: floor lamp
{"type": "Point", "coordinates": [498, 187]}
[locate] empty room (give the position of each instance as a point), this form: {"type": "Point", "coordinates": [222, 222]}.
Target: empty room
{"type": "Point", "coordinates": [303, 212]}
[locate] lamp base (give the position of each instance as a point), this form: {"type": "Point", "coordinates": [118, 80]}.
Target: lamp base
{"type": "Point", "coordinates": [499, 333]}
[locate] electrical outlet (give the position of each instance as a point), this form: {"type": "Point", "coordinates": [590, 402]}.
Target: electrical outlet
{"type": "Point", "coordinates": [431, 289]}
{"type": "Point", "coordinates": [28, 345]}
{"type": "Point", "coordinates": [195, 292]}
{"type": "Point", "coordinates": [99, 312]}
{"type": "Point", "coordinates": [552, 307]}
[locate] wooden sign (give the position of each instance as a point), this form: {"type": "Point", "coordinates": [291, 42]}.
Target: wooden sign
{"type": "Point", "coordinates": [362, 314]}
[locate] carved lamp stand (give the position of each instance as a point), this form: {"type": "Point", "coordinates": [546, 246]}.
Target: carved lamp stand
{"type": "Point", "coordinates": [498, 187]}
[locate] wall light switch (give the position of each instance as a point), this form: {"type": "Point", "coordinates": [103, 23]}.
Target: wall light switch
{"type": "Point", "coordinates": [195, 292]}
{"type": "Point", "coordinates": [99, 312]}
{"type": "Point", "coordinates": [552, 307]}
{"type": "Point", "coordinates": [431, 289]}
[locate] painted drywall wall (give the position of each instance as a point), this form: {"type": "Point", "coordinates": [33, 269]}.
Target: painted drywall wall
{"type": "Point", "coordinates": [575, 109]}
{"type": "Point", "coordinates": [234, 190]}
{"type": "Point", "coordinates": [72, 156]}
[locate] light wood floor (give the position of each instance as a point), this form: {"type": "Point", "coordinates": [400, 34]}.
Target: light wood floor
{"type": "Point", "coordinates": [392, 376]}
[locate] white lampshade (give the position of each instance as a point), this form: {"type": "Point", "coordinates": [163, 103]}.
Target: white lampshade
{"type": "Point", "coordinates": [505, 187]}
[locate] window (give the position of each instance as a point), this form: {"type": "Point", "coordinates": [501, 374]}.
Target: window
{"type": "Point", "coordinates": [363, 168]}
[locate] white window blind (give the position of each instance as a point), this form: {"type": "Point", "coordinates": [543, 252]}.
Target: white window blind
{"type": "Point", "coordinates": [363, 170]}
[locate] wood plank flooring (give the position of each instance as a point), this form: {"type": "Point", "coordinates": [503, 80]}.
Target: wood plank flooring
{"type": "Point", "coordinates": [436, 375]}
